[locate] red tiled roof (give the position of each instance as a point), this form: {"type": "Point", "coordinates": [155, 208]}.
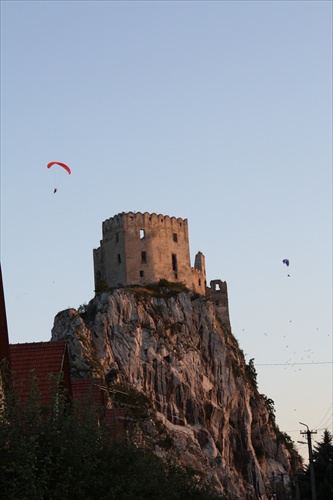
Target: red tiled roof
{"type": "Point", "coordinates": [39, 359]}
{"type": "Point", "coordinates": [43, 359]}
{"type": "Point", "coordinates": [88, 389]}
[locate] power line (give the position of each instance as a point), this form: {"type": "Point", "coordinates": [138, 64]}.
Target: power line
{"type": "Point", "coordinates": [318, 425]}
{"type": "Point", "coordinates": [327, 424]}
{"type": "Point", "coordinates": [294, 364]}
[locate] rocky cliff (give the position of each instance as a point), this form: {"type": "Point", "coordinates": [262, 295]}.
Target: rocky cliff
{"type": "Point", "coordinates": [201, 404]}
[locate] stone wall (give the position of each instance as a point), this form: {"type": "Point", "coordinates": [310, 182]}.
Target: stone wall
{"type": "Point", "coordinates": [140, 248]}
{"type": "Point", "coordinates": [218, 293]}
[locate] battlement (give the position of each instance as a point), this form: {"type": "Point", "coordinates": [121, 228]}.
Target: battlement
{"type": "Point", "coordinates": [127, 219]}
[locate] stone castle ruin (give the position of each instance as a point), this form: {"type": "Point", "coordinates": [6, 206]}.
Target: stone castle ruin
{"type": "Point", "coordinates": [141, 248]}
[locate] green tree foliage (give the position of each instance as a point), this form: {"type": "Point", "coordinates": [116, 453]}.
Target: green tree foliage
{"type": "Point", "coordinates": [323, 469]}
{"type": "Point", "coordinates": [59, 452]}
{"type": "Point", "coordinates": [270, 408]}
{"type": "Point", "coordinates": [251, 374]}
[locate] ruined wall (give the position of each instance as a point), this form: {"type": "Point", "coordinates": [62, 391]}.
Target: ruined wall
{"type": "Point", "coordinates": [199, 274]}
{"type": "Point", "coordinates": [140, 248]}
{"type": "Point", "coordinates": [218, 293]}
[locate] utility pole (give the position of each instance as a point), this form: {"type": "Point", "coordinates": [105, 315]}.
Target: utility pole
{"type": "Point", "coordinates": [312, 474]}
{"type": "Point", "coordinates": [293, 464]}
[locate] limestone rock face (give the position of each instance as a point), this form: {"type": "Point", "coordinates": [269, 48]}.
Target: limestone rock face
{"type": "Point", "coordinates": [176, 352]}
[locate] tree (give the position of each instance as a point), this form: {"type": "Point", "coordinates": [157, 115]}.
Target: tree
{"type": "Point", "coordinates": [251, 373]}
{"type": "Point", "coordinates": [323, 469]}
{"type": "Point", "coordinates": [59, 452]}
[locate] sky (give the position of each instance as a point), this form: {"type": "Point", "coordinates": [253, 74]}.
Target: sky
{"type": "Point", "coordinates": [215, 111]}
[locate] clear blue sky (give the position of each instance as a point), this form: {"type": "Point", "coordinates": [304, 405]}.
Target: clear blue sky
{"type": "Point", "coordinates": [219, 112]}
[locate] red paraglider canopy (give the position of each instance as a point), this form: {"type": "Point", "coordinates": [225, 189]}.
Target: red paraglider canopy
{"type": "Point", "coordinates": [63, 165]}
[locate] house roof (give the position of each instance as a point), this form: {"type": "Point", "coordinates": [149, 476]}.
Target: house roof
{"type": "Point", "coordinates": [42, 360]}
{"type": "Point", "coordinates": [88, 389]}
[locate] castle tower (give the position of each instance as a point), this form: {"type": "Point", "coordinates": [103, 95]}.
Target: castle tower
{"type": "Point", "coordinates": [141, 248]}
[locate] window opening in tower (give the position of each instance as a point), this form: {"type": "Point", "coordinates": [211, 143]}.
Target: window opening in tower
{"type": "Point", "coordinates": [174, 262]}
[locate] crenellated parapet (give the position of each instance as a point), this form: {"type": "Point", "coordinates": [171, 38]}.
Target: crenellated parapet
{"type": "Point", "coordinates": [145, 219]}
{"type": "Point", "coordinates": [112, 223]}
